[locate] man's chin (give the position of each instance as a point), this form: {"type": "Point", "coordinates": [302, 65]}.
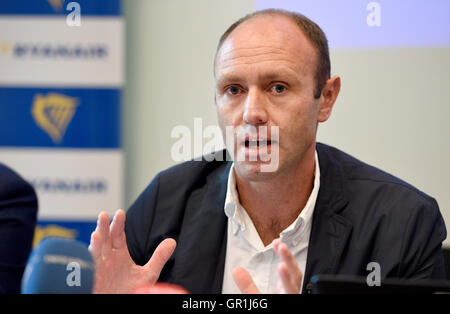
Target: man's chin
{"type": "Point", "coordinates": [256, 170]}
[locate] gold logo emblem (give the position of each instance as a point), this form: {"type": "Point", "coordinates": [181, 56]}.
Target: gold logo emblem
{"type": "Point", "coordinates": [53, 113]}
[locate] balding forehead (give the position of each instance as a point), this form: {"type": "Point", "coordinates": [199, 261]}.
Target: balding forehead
{"type": "Point", "coordinates": [264, 37]}
{"type": "Point", "coordinates": [248, 50]}
{"type": "Point", "coordinates": [277, 28]}
{"type": "Point", "coordinates": [239, 56]}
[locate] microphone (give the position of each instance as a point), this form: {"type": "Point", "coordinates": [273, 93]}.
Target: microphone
{"type": "Point", "coordinates": [59, 266]}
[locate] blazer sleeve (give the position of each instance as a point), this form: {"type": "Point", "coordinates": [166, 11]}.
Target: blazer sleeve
{"type": "Point", "coordinates": [18, 214]}
{"type": "Point", "coordinates": [139, 221]}
{"type": "Point", "coordinates": [422, 256]}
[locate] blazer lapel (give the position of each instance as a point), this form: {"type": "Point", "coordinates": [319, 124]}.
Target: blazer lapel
{"type": "Point", "coordinates": [200, 259]}
{"type": "Point", "coordinates": [330, 230]}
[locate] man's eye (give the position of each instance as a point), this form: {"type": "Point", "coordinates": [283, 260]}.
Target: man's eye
{"type": "Point", "coordinates": [233, 90]}
{"type": "Point", "coordinates": [278, 89]}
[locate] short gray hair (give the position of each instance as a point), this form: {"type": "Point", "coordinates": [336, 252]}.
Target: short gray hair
{"type": "Point", "coordinates": [312, 31]}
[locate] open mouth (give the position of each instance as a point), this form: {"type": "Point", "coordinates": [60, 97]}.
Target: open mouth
{"type": "Point", "coordinates": [253, 142]}
{"type": "Point", "coordinates": [257, 150]}
{"type": "Point", "coordinates": [256, 143]}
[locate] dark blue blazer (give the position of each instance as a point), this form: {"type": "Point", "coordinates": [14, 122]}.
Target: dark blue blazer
{"type": "Point", "coordinates": [18, 211]}
{"type": "Point", "coordinates": [362, 215]}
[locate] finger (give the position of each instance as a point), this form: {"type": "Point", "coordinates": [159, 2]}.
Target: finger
{"type": "Point", "coordinates": [280, 289]}
{"type": "Point", "coordinates": [99, 236]}
{"type": "Point", "coordinates": [95, 246]}
{"type": "Point", "coordinates": [292, 275]}
{"type": "Point", "coordinates": [291, 263]}
{"type": "Point", "coordinates": [117, 230]}
{"type": "Point", "coordinates": [244, 281]}
{"type": "Point", "coordinates": [286, 279]}
{"type": "Point", "coordinates": [103, 229]}
{"type": "Point", "coordinates": [160, 258]}
{"type": "Point", "coordinates": [276, 244]}
{"type": "Point", "coordinates": [103, 223]}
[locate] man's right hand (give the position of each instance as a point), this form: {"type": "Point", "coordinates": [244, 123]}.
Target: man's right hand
{"type": "Point", "coordinates": [115, 271]}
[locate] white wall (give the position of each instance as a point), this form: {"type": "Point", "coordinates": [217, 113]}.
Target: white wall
{"type": "Point", "coordinates": [391, 113]}
{"type": "Point", "coordinates": [170, 52]}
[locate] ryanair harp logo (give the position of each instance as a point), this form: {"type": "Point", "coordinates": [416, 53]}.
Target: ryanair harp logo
{"type": "Point", "coordinates": [53, 113]}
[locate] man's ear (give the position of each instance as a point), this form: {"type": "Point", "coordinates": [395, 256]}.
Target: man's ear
{"type": "Point", "coordinates": [328, 97]}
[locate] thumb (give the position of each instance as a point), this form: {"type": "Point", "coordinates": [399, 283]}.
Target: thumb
{"type": "Point", "coordinates": [244, 281]}
{"type": "Point", "coordinates": [159, 258]}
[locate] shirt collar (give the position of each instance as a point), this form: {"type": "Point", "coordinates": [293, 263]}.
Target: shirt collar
{"type": "Point", "coordinates": [232, 202]}
{"type": "Point", "coordinates": [233, 208]}
{"type": "Point", "coordinates": [305, 216]}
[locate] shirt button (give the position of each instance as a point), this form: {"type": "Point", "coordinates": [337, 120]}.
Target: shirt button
{"type": "Point", "coordinates": [235, 227]}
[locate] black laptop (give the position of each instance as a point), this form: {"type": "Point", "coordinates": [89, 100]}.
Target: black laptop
{"type": "Point", "coordinates": [341, 284]}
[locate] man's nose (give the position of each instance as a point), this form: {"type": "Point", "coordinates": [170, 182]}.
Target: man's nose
{"type": "Point", "coordinates": [255, 108]}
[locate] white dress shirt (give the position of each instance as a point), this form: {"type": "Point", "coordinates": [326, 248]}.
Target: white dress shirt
{"type": "Point", "coordinates": [246, 249]}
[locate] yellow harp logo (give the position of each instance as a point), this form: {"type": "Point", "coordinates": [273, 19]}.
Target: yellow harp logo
{"type": "Point", "coordinates": [53, 113]}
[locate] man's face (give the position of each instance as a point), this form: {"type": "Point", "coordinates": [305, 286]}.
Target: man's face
{"type": "Point", "coordinates": [265, 76]}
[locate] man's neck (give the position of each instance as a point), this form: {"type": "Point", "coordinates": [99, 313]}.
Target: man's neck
{"type": "Point", "coordinates": [274, 204]}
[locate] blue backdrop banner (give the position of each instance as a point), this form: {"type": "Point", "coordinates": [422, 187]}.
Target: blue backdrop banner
{"type": "Point", "coordinates": [61, 80]}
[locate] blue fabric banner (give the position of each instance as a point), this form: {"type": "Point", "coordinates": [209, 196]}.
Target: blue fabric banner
{"type": "Point", "coordinates": [60, 107]}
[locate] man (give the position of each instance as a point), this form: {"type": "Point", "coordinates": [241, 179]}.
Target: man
{"type": "Point", "coordinates": [18, 213]}
{"type": "Point", "coordinates": [237, 228]}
